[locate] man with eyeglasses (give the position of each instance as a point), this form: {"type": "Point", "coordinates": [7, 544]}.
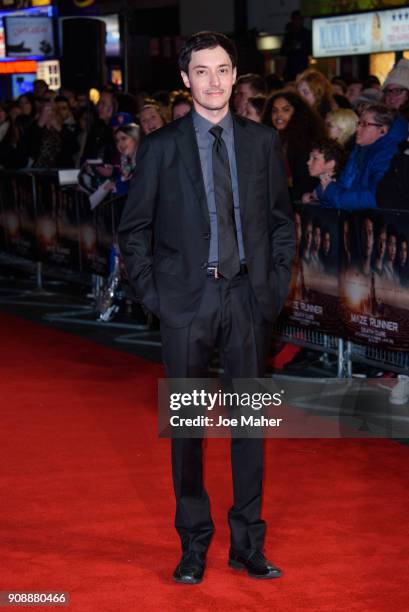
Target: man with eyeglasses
{"type": "Point", "coordinates": [396, 88]}
{"type": "Point", "coordinates": [378, 135]}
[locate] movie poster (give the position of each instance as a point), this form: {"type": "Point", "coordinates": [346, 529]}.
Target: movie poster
{"type": "Point", "coordinates": [313, 298]}
{"type": "Point", "coordinates": [96, 235]}
{"type": "Point", "coordinates": [374, 278]}
{"type": "Point", "coordinates": [47, 216]}
{"type": "Point", "coordinates": [18, 214]}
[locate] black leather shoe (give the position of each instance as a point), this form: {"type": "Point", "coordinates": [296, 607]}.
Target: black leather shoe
{"type": "Point", "coordinates": [190, 569]}
{"type": "Point", "coordinates": [254, 563]}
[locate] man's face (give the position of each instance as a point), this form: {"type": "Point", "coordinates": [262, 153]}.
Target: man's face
{"type": "Point", "coordinates": [403, 253]}
{"type": "Point", "coordinates": [317, 238]}
{"type": "Point", "coordinates": [243, 92]}
{"type": "Point", "coordinates": [367, 237]}
{"type": "Point", "coordinates": [326, 243]}
{"type": "Point", "coordinates": [210, 78]}
{"type": "Point", "coordinates": [382, 244]}
{"type": "Point", "coordinates": [391, 248]}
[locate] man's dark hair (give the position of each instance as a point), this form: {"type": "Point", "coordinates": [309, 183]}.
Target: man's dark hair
{"type": "Point", "coordinates": [382, 114]}
{"type": "Point", "coordinates": [331, 150]}
{"type": "Point", "coordinates": [256, 82]}
{"type": "Point", "coordinates": [371, 81]}
{"type": "Point", "coordinates": [258, 102]}
{"type": "Point", "coordinates": [206, 40]}
{"type": "Point", "coordinates": [61, 99]}
{"type": "Point", "coordinates": [336, 80]}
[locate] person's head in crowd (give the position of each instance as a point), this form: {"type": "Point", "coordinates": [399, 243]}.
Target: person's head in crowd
{"type": "Point", "coordinates": [247, 86]}
{"type": "Point", "coordinates": [40, 87]}
{"type": "Point", "coordinates": [273, 82]}
{"type": "Point", "coordinates": [391, 245]}
{"type": "Point", "coordinates": [150, 117]}
{"type": "Point", "coordinates": [127, 139]}
{"type": "Point", "coordinates": [338, 86]}
{"type": "Point", "coordinates": [341, 125]}
{"type": "Point", "coordinates": [50, 95]}
{"type": "Point", "coordinates": [341, 101]}
{"type": "Point", "coordinates": [327, 157]}
{"type": "Point", "coordinates": [27, 105]}
{"type": "Point", "coordinates": [326, 242]}
{"type": "Point", "coordinates": [293, 118]}
{"type": "Point", "coordinates": [316, 90]}
{"type": "Point", "coordinates": [396, 88]}
{"type": "Point", "coordinates": [107, 106]}
{"type": "Point", "coordinates": [366, 98]}
{"type": "Point", "coordinates": [85, 119]}
{"type": "Point", "coordinates": [14, 110]}
{"type": "Point", "coordinates": [402, 251]}
{"type": "Point", "coordinates": [372, 82]}
{"type": "Point", "coordinates": [255, 107]}
{"type": "Point", "coordinates": [82, 100]}
{"type": "Point", "coordinates": [63, 109]}
{"type": "Point", "coordinates": [373, 124]}
{"type": "Point", "coordinates": [180, 104]}
{"type": "Point", "coordinates": [3, 113]}
{"type": "Point", "coordinates": [47, 115]}
{"type": "Point", "coordinates": [70, 96]}
{"type": "Point", "coordinates": [162, 98]}
{"type": "Point", "coordinates": [354, 89]}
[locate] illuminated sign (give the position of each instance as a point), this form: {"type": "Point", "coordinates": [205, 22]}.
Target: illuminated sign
{"type": "Point", "coordinates": [29, 36]}
{"type": "Point", "coordinates": [13, 5]}
{"type": "Point", "coordinates": [362, 33]}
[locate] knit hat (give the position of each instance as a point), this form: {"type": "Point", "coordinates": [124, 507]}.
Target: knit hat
{"type": "Point", "coordinates": [368, 96]}
{"type": "Point", "coordinates": [119, 119]}
{"type": "Point", "coordinates": [399, 75]}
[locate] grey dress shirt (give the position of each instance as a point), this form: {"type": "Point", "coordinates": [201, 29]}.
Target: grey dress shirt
{"type": "Point", "coordinates": [205, 143]}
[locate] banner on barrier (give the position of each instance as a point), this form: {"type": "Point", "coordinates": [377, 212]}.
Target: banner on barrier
{"type": "Point", "coordinates": [18, 214]}
{"type": "Point", "coordinates": [57, 223]}
{"type": "Point", "coordinates": [374, 278]}
{"type": "Point", "coordinates": [313, 298]}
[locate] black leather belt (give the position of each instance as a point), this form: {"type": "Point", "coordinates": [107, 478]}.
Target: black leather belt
{"type": "Point", "coordinates": [213, 271]}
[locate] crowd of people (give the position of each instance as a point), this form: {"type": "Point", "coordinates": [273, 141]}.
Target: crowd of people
{"type": "Point", "coordinates": [345, 144]}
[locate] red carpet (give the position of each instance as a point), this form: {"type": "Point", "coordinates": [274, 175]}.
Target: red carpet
{"type": "Point", "coordinates": [87, 504]}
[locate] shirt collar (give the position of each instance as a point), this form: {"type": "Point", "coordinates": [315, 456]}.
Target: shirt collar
{"type": "Point", "coordinates": [203, 125]}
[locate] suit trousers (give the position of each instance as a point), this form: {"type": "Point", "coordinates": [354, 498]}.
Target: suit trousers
{"type": "Point", "coordinates": [228, 318]}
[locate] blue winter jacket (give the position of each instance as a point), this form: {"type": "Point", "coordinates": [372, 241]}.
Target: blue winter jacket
{"type": "Point", "coordinates": [355, 187]}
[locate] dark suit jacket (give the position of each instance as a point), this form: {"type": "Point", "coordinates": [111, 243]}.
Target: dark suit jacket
{"type": "Point", "coordinates": [164, 230]}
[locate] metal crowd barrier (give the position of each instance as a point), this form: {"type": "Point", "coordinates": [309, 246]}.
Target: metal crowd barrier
{"type": "Point", "coordinates": [45, 223]}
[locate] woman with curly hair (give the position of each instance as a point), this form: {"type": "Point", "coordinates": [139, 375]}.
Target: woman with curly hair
{"type": "Point", "coordinates": [298, 126]}
{"type": "Point", "coordinates": [316, 90]}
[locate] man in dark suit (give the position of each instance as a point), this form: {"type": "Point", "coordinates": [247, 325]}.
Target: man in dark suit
{"type": "Point", "coordinates": [208, 241]}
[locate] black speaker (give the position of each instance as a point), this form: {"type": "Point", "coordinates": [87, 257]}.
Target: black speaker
{"type": "Point", "coordinates": [83, 57]}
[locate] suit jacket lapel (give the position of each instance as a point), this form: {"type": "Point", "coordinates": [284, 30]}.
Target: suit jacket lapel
{"type": "Point", "coordinates": [189, 153]}
{"type": "Point", "coordinates": [243, 147]}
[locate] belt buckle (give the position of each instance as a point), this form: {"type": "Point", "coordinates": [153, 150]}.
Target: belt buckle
{"type": "Point", "coordinates": [213, 272]}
